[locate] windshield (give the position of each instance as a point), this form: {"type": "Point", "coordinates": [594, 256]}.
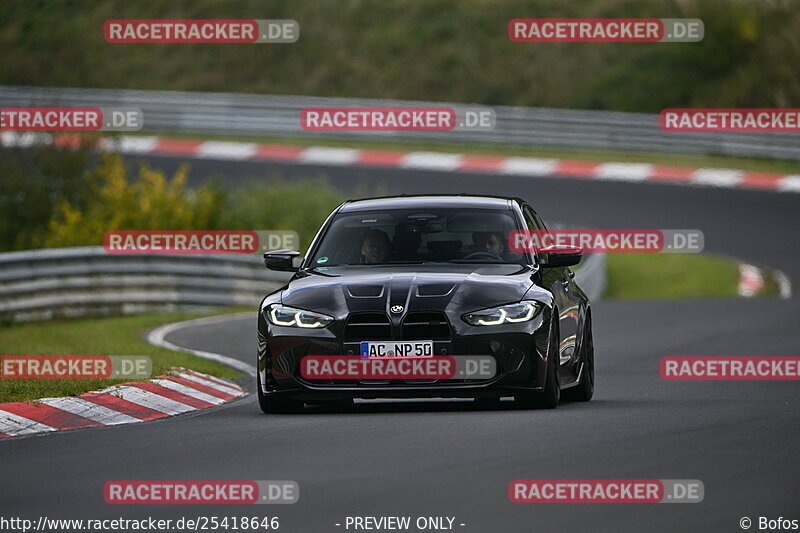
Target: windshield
{"type": "Point", "coordinates": [418, 236]}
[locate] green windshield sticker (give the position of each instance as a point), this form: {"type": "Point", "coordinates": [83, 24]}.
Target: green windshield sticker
{"type": "Point", "coordinates": [322, 260]}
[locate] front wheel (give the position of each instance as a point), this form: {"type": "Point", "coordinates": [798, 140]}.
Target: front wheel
{"type": "Point", "coordinates": [584, 391]}
{"type": "Point", "coordinates": [272, 405]}
{"type": "Point", "coordinates": [550, 396]}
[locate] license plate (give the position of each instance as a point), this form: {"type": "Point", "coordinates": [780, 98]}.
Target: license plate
{"type": "Point", "coordinates": [374, 350]}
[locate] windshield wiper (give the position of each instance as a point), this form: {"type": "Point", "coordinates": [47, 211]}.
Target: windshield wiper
{"type": "Point", "coordinates": [370, 264]}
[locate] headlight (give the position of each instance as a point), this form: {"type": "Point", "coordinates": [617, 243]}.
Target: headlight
{"type": "Point", "coordinates": [505, 314]}
{"type": "Point", "coordinates": [280, 315]}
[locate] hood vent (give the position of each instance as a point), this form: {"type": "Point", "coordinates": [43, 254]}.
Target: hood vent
{"type": "Point", "coordinates": [434, 289]}
{"type": "Point", "coordinates": [365, 291]}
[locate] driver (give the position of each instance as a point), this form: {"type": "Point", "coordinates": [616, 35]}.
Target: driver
{"type": "Point", "coordinates": [489, 241]}
{"type": "Point", "coordinates": [375, 247]}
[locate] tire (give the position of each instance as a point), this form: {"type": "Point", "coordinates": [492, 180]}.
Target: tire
{"type": "Point", "coordinates": [550, 396]}
{"type": "Point", "coordinates": [584, 391]}
{"type": "Point", "coordinates": [271, 405]}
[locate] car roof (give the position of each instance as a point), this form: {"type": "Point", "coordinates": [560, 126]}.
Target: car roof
{"type": "Point", "coordinates": [429, 201]}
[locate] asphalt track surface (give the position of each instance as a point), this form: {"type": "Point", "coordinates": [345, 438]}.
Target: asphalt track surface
{"type": "Point", "coordinates": [449, 458]}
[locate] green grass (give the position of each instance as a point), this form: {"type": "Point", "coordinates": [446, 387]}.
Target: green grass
{"type": "Point", "coordinates": [672, 276]}
{"type": "Point", "coordinates": [449, 50]}
{"type": "Point", "coordinates": [93, 336]}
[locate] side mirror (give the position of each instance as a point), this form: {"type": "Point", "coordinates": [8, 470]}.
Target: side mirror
{"type": "Point", "coordinates": [281, 260]}
{"type": "Point", "coordinates": [562, 256]}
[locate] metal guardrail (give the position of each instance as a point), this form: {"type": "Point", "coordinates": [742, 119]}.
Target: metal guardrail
{"type": "Point", "coordinates": [591, 275]}
{"type": "Point", "coordinates": [87, 281]}
{"type": "Point", "coordinates": [271, 115]}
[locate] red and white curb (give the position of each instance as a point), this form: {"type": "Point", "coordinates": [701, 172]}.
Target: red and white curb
{"type": "Point", "coordinates": [752, 281]}
{"type": "Point", "coordinates": [172, 394]}
{"type": "Point", "coordinates": [437, 161]}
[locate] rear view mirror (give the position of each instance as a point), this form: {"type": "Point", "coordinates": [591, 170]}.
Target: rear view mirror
{"type": "Point", "coordinates": [562, 256]}
{"type": "Point", "coordinates": [281, 260]}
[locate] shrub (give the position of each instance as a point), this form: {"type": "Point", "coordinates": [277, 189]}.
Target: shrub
{"type": "Point", "coordinates": [150, 202]}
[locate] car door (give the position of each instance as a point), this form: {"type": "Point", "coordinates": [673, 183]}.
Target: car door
{"type": "Point", "coordinates": [559, 281]}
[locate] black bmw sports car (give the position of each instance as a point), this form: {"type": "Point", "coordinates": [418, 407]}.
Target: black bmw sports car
{"type": "Point", "coordinates": [390, 285]}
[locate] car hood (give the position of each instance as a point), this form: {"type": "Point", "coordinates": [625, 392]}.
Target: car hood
{"type": "Point", "coordinates": [340, 290]}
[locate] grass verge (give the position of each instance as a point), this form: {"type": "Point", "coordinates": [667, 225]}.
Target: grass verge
{"type": "Point", "coordinates": [672, 276]}
{"type": "Point", "coordinates": [94, 336]}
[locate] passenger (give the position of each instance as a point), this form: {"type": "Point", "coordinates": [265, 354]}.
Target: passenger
{"type": "Point", "coordinates": [375, 247]}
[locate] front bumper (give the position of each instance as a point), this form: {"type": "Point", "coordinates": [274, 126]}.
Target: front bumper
{"type": "Point", "coordinates": [519, 351]}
